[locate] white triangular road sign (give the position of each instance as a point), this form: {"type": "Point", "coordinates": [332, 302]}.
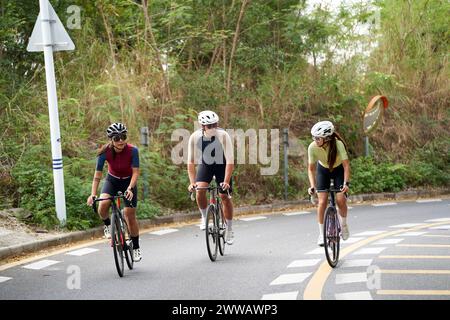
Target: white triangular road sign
{"type": "Point", "coordinates": [60, 37]}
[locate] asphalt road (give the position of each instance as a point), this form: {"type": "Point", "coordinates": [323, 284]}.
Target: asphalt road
{"type": "Point", "coordinates": [396, 251]}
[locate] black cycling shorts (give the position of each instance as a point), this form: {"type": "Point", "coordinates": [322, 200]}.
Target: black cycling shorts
{"type": "Point", "coordinates": [206, 172]}
{"type": "Point", "coordinates": [113, 185]}
{"type": "Point", "coordinates": [323, 176]}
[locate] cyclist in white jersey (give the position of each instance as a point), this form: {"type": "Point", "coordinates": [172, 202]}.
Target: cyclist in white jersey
{"type": "Point", "coordinates": [211, 149]}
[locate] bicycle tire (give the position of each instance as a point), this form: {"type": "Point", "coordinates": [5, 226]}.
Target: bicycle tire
{"type": "Point", "coordinates": [128, 246]}
{"type": "Point", "coordinates": [222, 230]}
{"type": "Point", "coordinates": [331, 236]}
{"type": "Point", "coordinates": [211, 232]}
{"type": "Point", "coordinates": [117, 239]}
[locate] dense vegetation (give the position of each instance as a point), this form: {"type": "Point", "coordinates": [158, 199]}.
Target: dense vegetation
{"type": "Point", "coordinates": [259, 64]}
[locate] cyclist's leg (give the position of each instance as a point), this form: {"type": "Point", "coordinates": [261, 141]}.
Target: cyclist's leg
{"type": "Point", "coordinates": [341, 199]}
{"type": "Point", "coordinates": [322, 183]}
{"type": "Point", "coordinates": [203, 179]}
{"type": "Point", "coordinates": [227, 203]}
{"type": "Point", "coordinates": [108, 189]}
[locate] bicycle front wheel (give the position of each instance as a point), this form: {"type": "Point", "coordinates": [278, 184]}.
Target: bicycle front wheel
{"type": "Point", "coordinates": [128, 248]}
{"type": "Point", "coordinates": [211, 232]}
{"type": "Point", "coordinates": [331, 236]}
{"type": "Point", "coordinates": [222, 229]}
{"type": "Point", "coordinates": [117, 238]}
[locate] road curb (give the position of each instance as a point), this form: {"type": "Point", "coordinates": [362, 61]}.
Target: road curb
{"type": "Point", "coordinates": [180, 217]}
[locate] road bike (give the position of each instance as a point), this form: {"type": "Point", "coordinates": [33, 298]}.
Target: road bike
{"type": "Point", "coordinates": [216, 225]}
{"type": "Point", "coordinates": [120, 234]}
{"type": "Point", "coordinates": [331, 227]}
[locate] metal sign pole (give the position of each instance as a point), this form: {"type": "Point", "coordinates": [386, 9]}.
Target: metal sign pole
{"type": "Point", "coordinates": [55, 136]}
{"type": "Point", "coordinates": [49, 35]}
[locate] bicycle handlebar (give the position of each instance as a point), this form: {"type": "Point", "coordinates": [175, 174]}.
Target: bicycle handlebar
{"type": "Point", "coordinates": [209, 188]}
{"type": "Point", "coordinates": [112, 198]}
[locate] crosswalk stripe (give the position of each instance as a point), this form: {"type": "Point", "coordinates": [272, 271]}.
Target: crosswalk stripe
{"type": "Point", "coordinates": [4, 279]}
{"type": "Point", "coordinates": [296, 213]}
{"type": "Point", "coordinates": [384, 204]}
{"type": "Point", "coordinates": [357, 295]}
{"type": "Point", "coordinates": [351, 278]}
{"type": "Point", "coordinates": [424, 245]}
{"type": "Point", "coordinates": [303, 263]}
{"type": "Point", "coordinates": [82, 252]}
{"type": "Point", "coordinates": [410, 234]}
{"type": "Point", "coordinates": [414, 292]}
{"type": "Point", "coordinates": [388, 241]}
{"type": "Point", "coordinates": [356, 263]}
{"type": "Point", "coordinates": [290, 278]}
{"type": "Point", "coordinates": [40, 264]}
{"type": "Point", "coordinates": [428, 200]}
{"type": "Point", "coordinates": [253, 218]}
{"type": "Point", "coordinates": [369, 233]}
{"type": "Point", "coordinates": [413, 257]}
{"type": "Point", "coordinates": [291, 295]}
{"type": "Point", "coordinates": [445, 227]}
{"type": "Point", "coordinates": [163, 232]}
{"type": "Point", "coordinates": [406, 225]}
{"type": "Point", "coordinates": [412, 271]}
{"type": "Point", "coordinates": [374, 250]}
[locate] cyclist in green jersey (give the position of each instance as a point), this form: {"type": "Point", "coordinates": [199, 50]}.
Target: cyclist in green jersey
{"type": "Point", "coordinates": [328, 159]}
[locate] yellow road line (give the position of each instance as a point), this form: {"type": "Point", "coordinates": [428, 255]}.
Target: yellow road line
{"type": "Point", "coordinates": [415, 292]}
{"type": "Point", "coordinates": [313, 290]}
{"type": "Point", "coordinates": [424, 245]}
{"type": "Point", "coordinates": [392, 271]}
{"type": "Point", "coordinates": [413, 257]}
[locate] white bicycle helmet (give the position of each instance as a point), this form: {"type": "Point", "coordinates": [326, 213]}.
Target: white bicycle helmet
{"type": "Point", "coordinates": [207, 117]}
{"type": "Point", "coordinates": [115, 129]}
{"type": "Point", "coordinates": [322, 129]}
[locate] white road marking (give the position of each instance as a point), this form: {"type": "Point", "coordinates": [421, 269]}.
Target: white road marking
{"type": "Point", "coordinates": [410, 234]}
{"type": "Point", "coordinates": [292, 295]}
{"type": "Point", "coordinates": [445, 227]}
{"type": "Point", "coordinates": [388, 241]}
{"type": "Point", "coordinates": [40, 264]}
{"type": "Point", "coordinates": [290, 278]}
{"type": "Point", "coordinates": [253, 218]}
{"type": "Point", "coordinates": [370, 250]}
{"type": "Point", "coordinates": [357, 295]}
{"type": "Point", "coordinates": [428, 200]}
{"type": "Point", "coordinates": [296, 213]}
{"type": "Point", "coordinates": [357, 263]}
{"type": "Point", "coordinates": [82, 252]}
{"type": "Point", "coordinates": [4, 279]}
{"type": "Point", "coordinates": [438, 220]}
{"type": "Point", "coordinates": [163, 232]}
{"type": "Point", "coordinates": [351, 277]}
{"type": "Point", "coordinates": [384, 204]}
{"type": "Point", "coordinates": [406, 225]}
{"type": "Point", "coordinates": [320, 250]}
{"type": "Point", "coordinates": [369, 233]}
{"type": "Point", "coordinates": [303, 263]}
{"type": "Point", "coordinates": [352, 240]}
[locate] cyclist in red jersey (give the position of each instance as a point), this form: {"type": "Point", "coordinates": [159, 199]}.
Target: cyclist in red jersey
{"type": "Point", "coordinates": [123, 173]}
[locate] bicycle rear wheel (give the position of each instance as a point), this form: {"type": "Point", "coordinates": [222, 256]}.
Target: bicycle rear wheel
{"type": "Point", "coordinates": [117, 238]}
{"type": "Point", "coordinates": [211, 232]}
{"type": "Point", "coordinates": [128, 248]}
{"type": "Point", "coordinates": [222, 229]}
{"type": "Point", "coordinates": [331, 236]}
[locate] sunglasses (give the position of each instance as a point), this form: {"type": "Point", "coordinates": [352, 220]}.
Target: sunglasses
{"type": "Point", "coordinates": [118, 137]}
{"type": "Point", "coordinates": [316, 138]}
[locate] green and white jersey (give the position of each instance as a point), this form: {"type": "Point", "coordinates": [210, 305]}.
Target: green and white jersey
{"type": "Point", "coordinates": [320, 154]}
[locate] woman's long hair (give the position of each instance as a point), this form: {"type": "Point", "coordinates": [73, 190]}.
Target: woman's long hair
{"type": "Point", "coordinates": [332, 150]}
{"type": "Point", "coordinates": [105, 147]}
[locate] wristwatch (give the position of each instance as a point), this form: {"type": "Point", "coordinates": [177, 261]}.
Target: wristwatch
{"type": "Point", "coordinates": [347, 183]}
